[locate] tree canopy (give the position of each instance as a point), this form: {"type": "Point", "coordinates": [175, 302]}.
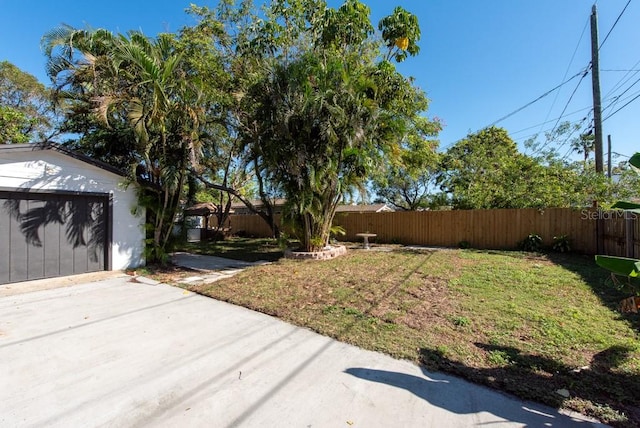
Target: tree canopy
{"type": "Point", "coordinates": [408, 183]}
{"type": "Point", "coordinates": [302, 97]}
{"type": "Point", "coordinates": [138, 93]}
{"type": "Point", "coordinates": [486, 170]}
{"type": "Point", "coordinates": [25, 107]}
{"type": "Point", "coordinates": [333, 109]}
{"type": "Point", "coordinates": [294, 99]}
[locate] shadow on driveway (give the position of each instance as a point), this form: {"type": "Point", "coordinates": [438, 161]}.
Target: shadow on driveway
{"type": "Point", "coordinates": [443, 392]}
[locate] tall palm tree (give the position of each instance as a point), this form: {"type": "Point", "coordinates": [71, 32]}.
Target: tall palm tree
{"type": "Point", "coordinates": [143, 83]}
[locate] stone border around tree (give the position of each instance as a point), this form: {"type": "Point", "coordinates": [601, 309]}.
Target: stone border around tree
{"type": "Point", "coordinates": [326, 254]}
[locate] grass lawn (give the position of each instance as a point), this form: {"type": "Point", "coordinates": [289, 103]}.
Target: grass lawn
{"type": "Point", "coordinates": [247, 249]}
{"type": "Point", "coordinates": [527, 324]}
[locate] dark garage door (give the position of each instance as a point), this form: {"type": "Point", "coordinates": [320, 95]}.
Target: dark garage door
{"type": "Point", "coordinates": [44, 235]}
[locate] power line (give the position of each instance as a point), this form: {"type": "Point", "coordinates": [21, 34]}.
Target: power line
{"type": "Point", "coordinates": [617, 97]}
{"type": "Point", "coordinates": [584, 29]}
{"type": "Point", "coordinates": [630, 101]}
{"type": "Point", "coordinates": [621, 155]}
{"type": "Point", "coordinates": [546, 131]}
{"type": "Point", "coordinates": [624, 79]}
{"type": "Point", "coordinates": [548, 140]}
{"type": "Point", "coordinates": [583, 75]}
{"type": "Point", "coordinates": [614, 25]}
{"type": "Point", "coordinates": [579, 126]}
{"type": "Point", "coordinates": [538, 99]}
{"type": "Point", "coordinates": [571, 96]}
{"type": "Point", "coordinates": [524, 106]}
{"type": "Point", "coordinates": [613, 99]}
{"type": "Point", "coordinates": [548, 121]}
{"type": "Point", "coordinates": [583, 131]}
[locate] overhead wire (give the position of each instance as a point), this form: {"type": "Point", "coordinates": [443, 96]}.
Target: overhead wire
{"type": "Point", "coordinates": [626, 104]}
{"type": "Point", "coordinates": [548, 130]}
{"type": "Point", "coordinates": [582, 131]}
{"type": "Point", "coordinates": [614, 101]}
{"type": "Point", "coordinates": [624, 79]}
{"type": "Point", "coordinates": [621, 155]}
{"type": "Point", "coordinates": [617, 98]}
{"type": "Point", "coordinates": [552, 120]}
{"type": "Point", "coordinates": [583, 74]}
{"type": "Point", "coordinates": [573, 93]}
{"type": "Point", "coordinates": [548, 139]}
{"type": "Point", "coordinates": [536, 100]}
{"type": "Point", "coordinates": [614, 24]}
{"type": "Point", "coordinates": [524, 106]}
{"type": "Point", "coordinates": [541, 124]}
{"type": "Point", "coordinates": [584, 29]}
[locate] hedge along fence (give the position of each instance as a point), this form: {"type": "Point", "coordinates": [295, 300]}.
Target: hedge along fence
{"type": "Point", "coordinates": [484, 229]}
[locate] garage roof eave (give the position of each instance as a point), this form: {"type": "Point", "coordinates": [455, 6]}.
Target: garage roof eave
{"type": "Point", "coordinates": [47, 145]}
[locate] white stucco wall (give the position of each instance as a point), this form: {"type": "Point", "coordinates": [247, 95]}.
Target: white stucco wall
{"type": "Point", "coordinates": [51, 170]}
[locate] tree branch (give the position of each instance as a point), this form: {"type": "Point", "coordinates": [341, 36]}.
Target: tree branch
{"type": "Point", "coordinates": [228, 190]}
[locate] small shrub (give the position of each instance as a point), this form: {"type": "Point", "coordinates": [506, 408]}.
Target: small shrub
{"type": "Point", "coordinates": [336, 231]}
{"type": "Point", "coordinates": [442, 351]}
{"type": "Point", "coordinates": [499, 358]}
{"type": "Point", "coordinates": [464, 244]}
{"type": "Point", "coordinates": [283, 241]}
{"type": "Point", "coordinates": [330, 309]}
{"type": "Point", "coordinates": [460, 321]}
{"type": "Point", "coordinates": [532, 243]}
{"type": "Point", "coordinates": [561, 244]}
{"type": "Point", "coordinates": [355, 312]}
{"type": "Point", "coordinates": [316, 242]}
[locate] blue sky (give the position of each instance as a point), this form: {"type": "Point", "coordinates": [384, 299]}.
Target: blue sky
{"type": "Point", "coordinates": [479, 60]}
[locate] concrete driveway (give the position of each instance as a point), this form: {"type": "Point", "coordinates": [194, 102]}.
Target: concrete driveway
{"type": "Point", "coordinates": [116, 353]}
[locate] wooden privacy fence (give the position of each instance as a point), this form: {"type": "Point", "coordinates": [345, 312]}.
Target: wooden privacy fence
{"type": "Point", "coordinates": [483, 229]}
{"type": "Point", "coordinates": [249, 225]}
{"type": "Point", "coordinates": [620, 233]}
{"type": "Point", "coordinates": [487, 229]}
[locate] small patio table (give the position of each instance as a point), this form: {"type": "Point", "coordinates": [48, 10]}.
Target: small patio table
{"type": "Point", "coordinates": [366, 236]}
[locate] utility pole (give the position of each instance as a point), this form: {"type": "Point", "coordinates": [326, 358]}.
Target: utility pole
{"type": "Point", "coordinates": [595, 83]}
{"type": "Point", "coordinates": [609, 156]}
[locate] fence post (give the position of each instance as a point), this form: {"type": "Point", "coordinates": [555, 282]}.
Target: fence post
{"type": "Point", "coordinates": [629, 244]}
{"type": "Point", "coordinates": [600, 226]}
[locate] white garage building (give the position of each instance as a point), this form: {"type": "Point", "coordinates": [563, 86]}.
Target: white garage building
{"type": "Point", "coordinates": [62, 213]}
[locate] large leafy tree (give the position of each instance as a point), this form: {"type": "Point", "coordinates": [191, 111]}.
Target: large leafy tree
{"type": "Point", "coordinates": [302, 97]}
{"type": "Point", "coordinates": [14, 126]}
{"type": "Point", "coordinates": [486, 170]}
{"type": "Point", "coordinates": [408, 183]}
{"type": "Point", "coordinates": [25, 107]}
{"type": "Point", "coordinates": [225, 43]}
{"type": "Point", "coordinates": [329, 104]}
{"type": "Point", "coordinates": [481, 170]}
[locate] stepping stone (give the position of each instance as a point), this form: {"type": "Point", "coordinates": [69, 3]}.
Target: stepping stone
{"type": "Point", "coordinates": [190, 279]}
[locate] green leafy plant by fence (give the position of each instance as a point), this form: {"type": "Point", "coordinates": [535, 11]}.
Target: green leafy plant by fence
{"type": "Point", "coordinates": [625, 272]}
